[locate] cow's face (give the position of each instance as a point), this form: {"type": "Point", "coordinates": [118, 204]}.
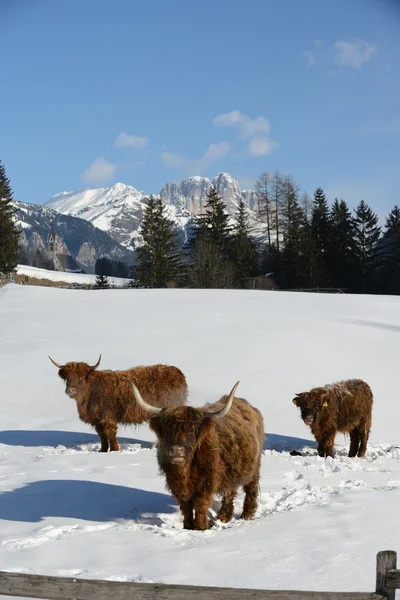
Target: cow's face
{"type": "Point", "coordinates": [77, 376]}
{"type": "Point", "coordinates": [179, 431]}
{"type": "Point", "coordinates": [310, 404]}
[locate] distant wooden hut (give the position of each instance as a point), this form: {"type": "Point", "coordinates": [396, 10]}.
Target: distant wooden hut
{"type": "Point", "coordinates": [260, 282]}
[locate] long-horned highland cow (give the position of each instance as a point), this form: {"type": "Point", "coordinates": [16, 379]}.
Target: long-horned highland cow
{"type": "Point", "coordinates": [345, 407]}
{"type": "Point", "coordinates": [206, 451]}
{"type": "Point", "coordinates": [104, 398]}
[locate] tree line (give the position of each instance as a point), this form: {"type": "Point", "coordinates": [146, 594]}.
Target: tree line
{"type": "Point", "coordinates": [304, 242]}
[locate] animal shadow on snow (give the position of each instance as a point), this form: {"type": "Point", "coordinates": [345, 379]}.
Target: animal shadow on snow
{"type": "Point", "coordinates": [286, 443]}
{"type": "Point", "coordinates": [375, 324]}
{"type": "Point", "coordinates": [83, 500]}
{"type": "Point", "coordinates": [71, 439]}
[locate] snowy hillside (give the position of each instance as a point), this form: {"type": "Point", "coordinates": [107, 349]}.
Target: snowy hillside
{"type": "Point", "coordinates": [119, 210]}
{"type": "Point", "coordinates": [66, 509]}
{"type": "Point", "coordinates": [74, 236]}
{"type": "Point", "coordinates": [82, 278]}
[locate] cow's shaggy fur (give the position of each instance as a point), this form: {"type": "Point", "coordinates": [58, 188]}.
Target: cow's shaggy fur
{"type": "Point", "coordinates": [105, 398]}
{"type": "Point", "coordinates": [202, 456]}
{"type": "Point", "coordinates": [345, 407]}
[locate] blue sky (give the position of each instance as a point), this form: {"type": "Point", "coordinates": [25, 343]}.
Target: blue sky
{"type": "Point", "coordinates": [95, 92]}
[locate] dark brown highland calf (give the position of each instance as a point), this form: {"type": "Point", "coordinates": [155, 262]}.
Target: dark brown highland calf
{"type": "Point", "coordinates": [345, 407]}
{"type": "Point", "coordinates": [104, 398]}
{"type": "Point", "coordinates": [207, 451]}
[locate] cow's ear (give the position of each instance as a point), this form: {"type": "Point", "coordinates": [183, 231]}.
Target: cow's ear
{"type": "Point", "coordinates": [324, 400]}
{"type": "Point", "coordinates": [155, 425]}
{"type": "Point", "coordinates": [296, 399]}
{"type": "Point", "coordinates": [205, 427]}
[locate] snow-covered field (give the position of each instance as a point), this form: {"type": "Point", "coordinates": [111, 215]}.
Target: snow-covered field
{"type": "Point", "coordinates": [66, 509]}
{"type": "Point", "coordinates": [82, 278]}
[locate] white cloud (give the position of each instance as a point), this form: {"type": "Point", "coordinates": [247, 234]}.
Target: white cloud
{"type": "Point", "coordinates": [352, 54]}
{"type": "Point", "coordinates": [126, 140]}
{"type": "Point", "coordinates": [256, 130]}
{"type": "Point", "coordinates": [246, 126]}
{"type": "Point", "coordinates": [213, 153]}
{"type": "Point", "coordinates": [260, 146]}
{"type": "Point", "coordinates": [100, 171]}
{"type": "Point", "coordinates": [315, 54]}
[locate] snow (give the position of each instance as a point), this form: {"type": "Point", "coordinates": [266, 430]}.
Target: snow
{"type": "Point", "coordinates": [115, 210]}
{"type": "Point", "coordinates": [66, 509]}
{"type": "Point", "coordinates": [83, 278]}
{"type": "Point", "coordinates": [22, 224]}
{"type": "Point", "coordinates": [98, 206]}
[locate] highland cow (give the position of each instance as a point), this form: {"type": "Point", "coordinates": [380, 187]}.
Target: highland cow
{"type": "Point", "coordinates": [206, 451]}
{"type": "Point", "coordinates": [104, 398]}
{"type": "Point", "coordinates": [345, 407]}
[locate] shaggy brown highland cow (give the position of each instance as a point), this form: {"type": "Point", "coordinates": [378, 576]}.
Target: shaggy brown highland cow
{"type": "Point", "coordinates": [104, 398]}
{"type": "Point", "coordinates": [206, 451]}
{"type": "Point", "coordinates": [345, 407]}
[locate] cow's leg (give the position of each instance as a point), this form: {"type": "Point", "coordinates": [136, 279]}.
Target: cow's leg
{"type": "Point", "coordinates": [364, 428]}
{"type": "Point", "coordinates": [251, 499]}
{"type": "Point", "coordinates": [201, 505]}
{"type": "Point", "coordinates": [103, 438]}
{"type": "Point", "coordinates": [110, 429]}
{"type": "Point", "coordinates": [321, 445]}
{"type": "Point", "coordinates": [226, 511]}
{"type": "Point", "coordinates": [354, 442]}
{"type": "Point", "coordinates": [187, 512]}
{"type": "Point", "coordinates": [329, 442]}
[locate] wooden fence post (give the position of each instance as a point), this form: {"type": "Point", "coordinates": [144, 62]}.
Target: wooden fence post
{"type": "Point", "coordinates": [385, 561]}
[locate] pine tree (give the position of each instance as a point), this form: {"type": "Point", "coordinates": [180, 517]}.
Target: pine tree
{"type": "Point", "coordinates": [210, 246]}
{"type": "Point", "coordinates": [216, 221]}
{"type": "Point", "coordinates": [294, 256]}
{"type": "Point", "coordinates": [311, 271]}
{"type": "Point", "coordinates": [158, 259]}
{"type": "Point", "coordinates": [366, 237]}
{"type": "Point", "coordinates": [321, 234]}
{"type": "Point", "coordinates": [102, 282]}
{"type": "Point", "coordinates": [244, 249]}
{"type": "Point", "coordinates": [9, 233]}
{"type": "Point", "coordinates": [341, 252]}
{"type": "Point", "coordinates": [388, 255]}
{"type": "Point", "coordinates": [392, 225]}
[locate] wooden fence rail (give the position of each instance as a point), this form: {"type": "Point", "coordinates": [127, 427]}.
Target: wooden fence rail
{"type": "Point", "coordinates": [321, 290]}
{"type": "Point", "coordinates": [68, 588]}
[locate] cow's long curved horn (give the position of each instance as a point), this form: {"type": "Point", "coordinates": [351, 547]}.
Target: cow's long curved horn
{"type": "Point", "coordinates": [97, 364]}
{"type": "Point", "coordinates": [154, 410]}
{"type": "Point", "coordinates": [56, 363]}
{"type": "Point", "coordinates": [221, 413]}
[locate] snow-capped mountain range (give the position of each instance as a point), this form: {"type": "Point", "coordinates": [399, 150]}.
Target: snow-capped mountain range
{"type": "Point", "coordinates": [91, 223]}
{"type": "Point", "coordinates": [119, 210]}
{"type": "Point", "coordinates": [74, 236]}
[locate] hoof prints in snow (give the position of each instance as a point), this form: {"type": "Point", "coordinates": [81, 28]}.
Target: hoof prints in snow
{"type": "Point", "coordinates": [296, 493]}
{"type": "Point", "coordinates": [89, 449]}
{"type": "Point", "coordinates": [376, 454]}
{"type": "Point", "coordinates": [170, 526]}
